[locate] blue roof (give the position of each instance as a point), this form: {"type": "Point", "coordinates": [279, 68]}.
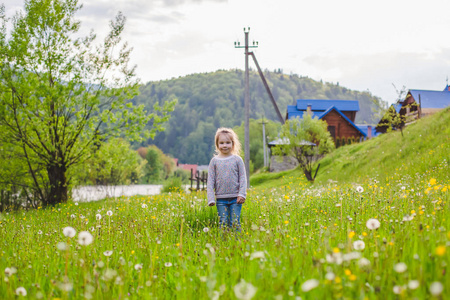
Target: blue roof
{"type": "Point", "coordinates": [365, 128]}
{"type": "Point", "coordinates": [344, 116]}
{"type": "Point", "coordinates": [397, 107]}
{"type": "Point", "coordinates": [322, 105]}
{"type": "Point", "coordinates": [431, 99]}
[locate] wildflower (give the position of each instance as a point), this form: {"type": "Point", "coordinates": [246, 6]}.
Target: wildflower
{"type": "Point", "coordinates": [257, 254]}
{"type": "Point", "coordinates": [168, 264]}
{"type": "Point", "coordinates": [72, 216]}
{"type": "Point", "coordinates": [398, 289]}
{"type": "Point", "coordinates": [351, 234]}
{"type": "Point", "coordinates": [138, 267]}
{"type": "Point", "coordinates": [98, 216]}
{"type": "Point", "coordinates": [359, 245]}
{"type": "Point", "coordinates": [21, 291]}
{"type": "Point", "coordinates": [67, 286]}
{"type": "Point", "coordinates": [373, 224]}
{"type": "Point", "coordinates": [440, 250]}
{"type": "Point", "coordinates": [407, 218]}
{"type": "Point", "coordinates": [109, 213]}
{"type": "Point", "coordinates": [413, 284]}
{"type": "Point", "coordinates": [76, 203]}
{"type": "Point", "coordinates": [363, 262]}
{"type": "Point", "coordinates": [108, 253]}
{"type": "Point", "coordinates": [244, 290]}
{"type": "Point", "coordinates": [61, 246]}
{"type": "Point", "coordinates": [432, 181]}
{"type": "Point", "coordinates": [436, 288]}
{"type": "Point", "coordinates": [360, 189]}
{"type": "Point", "coordinates": [40, 232]}
{"type": "Point", "coordinates": [206, 229]}
{"type": "Point", "coordinates": [85, 238]}
{"type": "Point", "coordinates": [144, 205]}
{"type": "Point", "coordinates": [330, 276]}
{"type": "Point", "coordinates": [69, 231]}
{"type": "Point", "coordinates": [400, 267]}
{"type": "Point", "coordinates": [310, 284]}
{"type": "Point", "coordinates": [10, 271]}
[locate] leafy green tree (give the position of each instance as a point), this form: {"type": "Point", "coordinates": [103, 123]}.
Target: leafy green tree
{"type": "Point", "coordinates": [113, 164]}
{"type": "Point", "coordinates": [298, 135]}
{"type": "Point", "coordinates": [62, 96]}
{"type": "Point", "coordinates": [154, 167]}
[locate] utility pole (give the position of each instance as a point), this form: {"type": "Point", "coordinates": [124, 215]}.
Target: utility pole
{"type": "Point", "coordinates": [246, 104]}
{"type": "Point", "coordinates": [264, 141]}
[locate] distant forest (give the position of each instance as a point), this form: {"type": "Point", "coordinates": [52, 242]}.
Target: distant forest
{"type": "Point", "coordinates": [207, 101]}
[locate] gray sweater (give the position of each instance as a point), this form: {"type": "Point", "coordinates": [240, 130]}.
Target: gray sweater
{"type": "Point", "coordinates": [226, 178]}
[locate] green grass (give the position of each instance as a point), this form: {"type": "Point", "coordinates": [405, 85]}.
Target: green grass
{"type": "Point", "coordinates": [170, 247]}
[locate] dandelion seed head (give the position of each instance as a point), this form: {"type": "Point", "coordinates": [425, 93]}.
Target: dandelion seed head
{"type": "Point", "coordinates": [413, 284]}
{"type": "Point", "coordinates": [108, 253]}
{"type": "Point", "coordinates": [168, 264]}
{"type": "Point", "coordinates": [21, 291]}
{"type": "Point", "coordinates": [98, 216]}
{"type": "Point", "coordinates": [109, 213]}
{"type": "Point", "coordinates": [436, 288]}
{"type": "Point", "coordinates": [359, 245]}
{"type": "Point", "coordinates": [69, 231]}
{"type": "Point", "coordinates": [310, 284]}
{"type": "Point", "coordinates": [400, 267]}
{"type": "Point", "coordinates": [373, 224]}
{"type": "Point", "coordinates": [244, 290]}
{"type": "Point", "coordinates": [85, 238]}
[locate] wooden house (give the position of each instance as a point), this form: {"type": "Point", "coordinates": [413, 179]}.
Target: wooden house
{"type": "Point", "coordinates": [417, 104]}
{"type": "Point", "coordinates": [339, 114]}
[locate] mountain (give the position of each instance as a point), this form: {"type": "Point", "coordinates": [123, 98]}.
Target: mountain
{"type": "Point", "coordinates": [207, 101]}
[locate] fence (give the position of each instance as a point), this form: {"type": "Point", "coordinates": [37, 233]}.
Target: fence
{"type": "Point", "coordinates": [199, 180]}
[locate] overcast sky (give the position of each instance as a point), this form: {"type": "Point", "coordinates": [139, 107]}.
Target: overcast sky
{"type": "Point", "coordinates": [363, 45]}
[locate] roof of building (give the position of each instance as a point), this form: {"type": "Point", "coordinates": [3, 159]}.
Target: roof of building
{"type": "Point", "coordinates": [322, 105]}
{"type": "Point", "coordinates": [365, 128]}
{"type": "Point", "coordinates": [431, 99]}
{"type": "Point", "coordinates": [342, 115]}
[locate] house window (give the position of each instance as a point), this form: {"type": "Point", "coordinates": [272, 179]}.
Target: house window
{"type": "Point", "coordinates": [332, 130]}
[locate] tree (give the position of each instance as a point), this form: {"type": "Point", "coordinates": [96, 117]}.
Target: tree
{"type": "Point", "coordinates": [61, 97]}
{"type": "Point", "coordinates": [113, 164]}
{"type": "Point", "coordinates": [298, 134]}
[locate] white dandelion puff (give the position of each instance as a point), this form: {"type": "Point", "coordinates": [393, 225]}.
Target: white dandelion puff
{"type": "Point", "coordinates": [330, 276]}
{"type": "Point", "coordinates": [144, 205]}
{"type": "Point", "coordinates": [61, 246]}
{"type": "Point", "coordinates": [397, 289]}
{"type": "Point", "coordinates": [85, 238]}
{"type": "Point", "coordinates": [40, 232]}
{"type": "Point", "coordinates": [413, 284]}
{"type": "Point", "coordinates": [10, 271]}
{"type": "Point", "coordinates": [359, 245]}
{"type": "Point", "coordinates": [436, 288]}
{"type": "Point", "coordinates": [400, 267]}
{"type": "Point", "coordinates": [363, 262]}
{"type": "Point", "coordinates": [373, 224]}
{"type": "Point", "coordinates": [244, 290]}
{"type": "Point", "coordinates": [109, 213]}
{"type": "Point", "coordinates": [257, 254]}
{"type": "Point", "coordinates": [206, 229]}
{"type": "Point", "coordinates": [168, 264]}
{"type": "Point", "coordinates": [21, 291]}
{"type": "Point", "coordinates": [138, 267]}
{"type": "Point", "coordinates": [76, 203]}
{"type": "Point", "coordinates": [310, 284]}
{"type": "Point", "coordinates": [108, 253]}
{"type": "Point", "coordinates": [69, 231]}
{"type": "Point", "coordinates": [360, 189]}
{"type": "Point", "coordinates": [98, 216]}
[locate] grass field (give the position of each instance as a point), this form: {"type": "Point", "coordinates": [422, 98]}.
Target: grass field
{"type": "Point", "coordinates": [383, 235]}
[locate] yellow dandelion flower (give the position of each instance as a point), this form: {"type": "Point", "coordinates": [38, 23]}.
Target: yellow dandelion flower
{"type": "Point", "coordinates": [338, 279]}
{"type": "Point", "coordinates": [352, 277]}
{"type": "Point", "coordinates": [286, 222]}
{"type": "Point", "coordinates": [336, 250]}
{"type": "Point", "coordinates": [348, 272]}
{"type": "Point", "coordinates": [432, 181]}
{"type": "Point", "coordinates": [413, 211]}
{"type": "Point", "coordinates": [351, 234]}
{"type": "Point", "coordinates": [444, 189]}
{"type": "Point", "coordinates": [364, 233]}
{"type": "Point", "coordinates": [440, 250]}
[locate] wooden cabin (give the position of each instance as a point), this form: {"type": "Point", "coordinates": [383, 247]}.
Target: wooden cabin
{"type": "Point", "coordinates": [339, 114]}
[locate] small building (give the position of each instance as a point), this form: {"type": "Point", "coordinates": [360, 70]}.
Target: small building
{"type": "Point", "coordinates": [417, 104]}
{"type": "Point", "coordinates": [339, 114]}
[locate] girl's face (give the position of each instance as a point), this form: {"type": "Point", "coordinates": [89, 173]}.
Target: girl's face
{"type": "Point", "coordinates": [225, 144]}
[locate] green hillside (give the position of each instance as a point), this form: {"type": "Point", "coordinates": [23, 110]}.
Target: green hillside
{"type": "Point", "coordinates": [424, 148]}
{"type": "Point", "coordinates": [210, 100]}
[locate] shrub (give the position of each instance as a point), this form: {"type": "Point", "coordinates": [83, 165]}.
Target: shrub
{"type": "Point", "coordinates": [173, 184]}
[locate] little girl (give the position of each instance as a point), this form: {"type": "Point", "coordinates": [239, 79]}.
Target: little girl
{"type": "Point", "coordinates": [227, 179]}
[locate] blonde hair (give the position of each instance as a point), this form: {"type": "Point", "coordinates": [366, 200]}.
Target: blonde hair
{"type": "Point", "coordinates": [236, 150]}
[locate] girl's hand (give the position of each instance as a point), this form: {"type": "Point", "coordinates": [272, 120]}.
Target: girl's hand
{"type": "Point", "coordinates": [240, 200]}
{"type": "Point", "coordinates": [212, 204]}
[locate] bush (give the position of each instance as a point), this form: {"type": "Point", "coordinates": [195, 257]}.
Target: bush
{"type": "Point", "coordinates": [173, 184]}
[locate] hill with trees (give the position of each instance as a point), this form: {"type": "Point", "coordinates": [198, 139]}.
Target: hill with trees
{"type": "Point", "coordinates": [207, 101]}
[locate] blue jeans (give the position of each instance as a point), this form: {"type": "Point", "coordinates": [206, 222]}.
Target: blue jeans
{"type": "Point", "coordinates": [229, 213]}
